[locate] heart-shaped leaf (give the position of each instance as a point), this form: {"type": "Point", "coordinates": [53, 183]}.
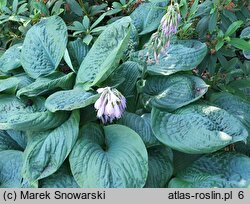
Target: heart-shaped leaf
{"type": "Point", "coordinates": [182, 55]}
{"type": "Point", "coordinates": [105, 54]}
{"type": "Point", "coordinates": [172, 92]}
{"type": "Point", "coordinates": [46, 151]}
{"type": "Point", "coordinates": [44, 84]}
{"type": "Point", "coordinates": [27, 114]}
{"type": "Point", "coordinates": [11, 58]}
{"type": "Point", "coordinates": [197, 129]}
{"type": "Point", "coordinates": [110, 157]}
{"type": "Point", "coordinates": [160, 166]}
{"type": "Point", "coordinates": [44, 46]}
{"type": "Point", "coordinates": [217, 170]}
{"type": "Point", "coordinates": [141, 125]}
{"type": "Point", "coordinates": [70, 100]}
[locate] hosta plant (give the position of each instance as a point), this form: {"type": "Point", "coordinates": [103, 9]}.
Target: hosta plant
{"type": "Point", "coordinates": [124, 94]}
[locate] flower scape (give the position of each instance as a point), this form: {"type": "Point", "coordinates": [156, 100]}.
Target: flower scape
{"type": "Point", "coordinates": [124, 94]}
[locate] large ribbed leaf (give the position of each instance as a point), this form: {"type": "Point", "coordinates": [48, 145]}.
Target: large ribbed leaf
{"type": "Point", "coordinates": [44, 46]}
{"type": "Point", "coordinates": [130, 73]}
{"type": "Point", "coordinates": [141, 125]}
{"type": "Point", "coordinates": [27, 114]}
{"type": "Point", "coordinates": [181, 56]}
{"type": "Point", "coordinates": [172, 92]}
{"type": "Point", "coordinates": [44, 84]}
{"type": "Point", "coordinates": [160, 166]}
{"type": "Point", "coordinates": [60, 179]}
{"type": "Point", "coordinates": [7, 143]}
{"type": "Point", "coordinates": [70, 100]}
{"type": "Point", "coordinates": [234, 105]}
{"type": "Point", "coordinates": [238, 107]}
{"type": "Point", "coordinates": [217, 170]}
{"type": "Point", "coordinates": [147, 16]}
{"type": "Point", "coordinates": [10, 169]}
{"type": "Point", "coordinates": [11, 58]}
{"type": "Point", "coordinates": [182, 160]}
{"type": "Point", "coordinates": [105, 54]}
{"type": "Point", "coordinates": [46, 151]}
{"type": "Point", "coordinates": [197, 129]}
{"type": "Point", "coordinates": [77, 51]}
{"type": "Point", "coordinates": [110, 157]}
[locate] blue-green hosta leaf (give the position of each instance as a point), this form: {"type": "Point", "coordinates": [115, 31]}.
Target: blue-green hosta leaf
{"type": "Point", "coordinates": [217, 170]}
{"type": "Point", "coordinates": [238, 107]}
{"type": "Point", "coordinates": [234, 105]}
{"type": "Point", "coordinates": [112, 156]}
{"type": "Point", "coordinates": [44, 46]}
{"type": "Point", "coordinates": [10, 169]}
{"type": "Point", "coordinates": [77, 51]}
{"type": "Point", "coordinates": [197, 129]}
{"type": "Point", "coordinates": [147, 16]}
{"type": "Point", "coordinates": [24, 80]}
{"type": "Point", "coordinates": [63, 178]}
{"type": "Point", "coordinates": [7, 143]}
{"type": "Point", "coordinates": [141, 125]}
{"type": "Point", "coordinates": [46, 151]}
{"type": "Point", "coordinates": [70, 100]}
{"type": "Point", "coordinates": [105, 54]}
{"type": "Point", "coordinates": [172, 92]}
{"type": "Point", "coordinates": [182, 160]}
{"type": "Point", "coordinates": [130, 73]}
{"type": "Point", "coordinates": [9, 84]}
{"type": "Point", "coordinates": [44, 84]}
{"type": "Point", "coordinates": [247, 53]}
{"type": "Point", "coordinates": [11, 58]}
{"type": "Point", "coordinates": [182, 55]}
{"type": "Point", "coordinates": [27, 114]}
{"type": "Point", "coordinates": [241, 87]}
{"type": "Point", "coordinates": [160, 166]}
{"type": "Point", "coordinates": [19, 137]}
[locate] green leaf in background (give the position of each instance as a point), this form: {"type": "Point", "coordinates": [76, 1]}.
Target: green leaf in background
{"type": "Point", "coordinates": [63, 178]}
{"type": "Point", "coordinates": [10, 169]}
{"type": "Point", "coordinates": [141, 125]}
{"type": "Point", "coordinates": [172, 92]}
{"type": "Point", "coordinates": [11, 58]}
{"type": "Point", "coordinates": [42, 85]}
{"type": "Point", "coordinates": [181, 56]}
{"type": "Point", "coordinates": [112, 156]}
{"type": "Point", "coordinates": [197, 128]}
{"type": "Point", "coordinates": [70, 100]}
{"type": "Point", "coordinates": [44, 46]}
{"type": "Point", "coordinates": [240, 44]}
{"type": "Point", "coordinates": [7, 143]}
{"type": "Point", "coordinates": [238, 107]}
{"type": "Point", "coordinates": [212, 25]}
{"type": "Point", "coordinates": [46, 151]}
{"type": "Point", "coordinates": [27, 114]}
{"type": "Point", "coordinates": [77, 52]}
{"type": "Point", "coordinates": [105, 54]}
{"type": "Point", "coordinates": [217, 170]}
{"type": "Point", "coordinates": [233, 28]}
{"type": "Point", "coordinates": [160, 166]}
{"type": "Point", "coordinates": [147, 16]}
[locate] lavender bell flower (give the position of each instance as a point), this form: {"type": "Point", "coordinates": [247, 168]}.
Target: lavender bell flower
{"type": "Point", "coordinates": [110, 105]}
{"type": "Point", "coordinates": [160, 40]}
